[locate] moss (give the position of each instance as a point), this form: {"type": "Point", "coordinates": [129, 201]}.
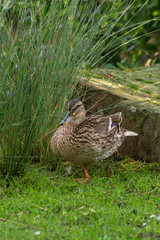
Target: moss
{"type": "Point", "coordinates": [148, 91]}
{"type": "Point", "coordinates": [133, 86]}
{"type": "Point", "coordinates": [144, 81]}
{"type": "Point", "coordinates": [151, 82]}
{"type": "Point", "coordinates": [139, 80]}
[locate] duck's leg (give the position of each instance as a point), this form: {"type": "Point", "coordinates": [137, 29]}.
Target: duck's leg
{"type": "Point", "coordinates": [86, 172]}
{"type": "Point", "coordinates": [87, 177]}
{"type": "Point", "coordinates": [110, 170]}
{"type": "Point", "coordinates": [116, 153]}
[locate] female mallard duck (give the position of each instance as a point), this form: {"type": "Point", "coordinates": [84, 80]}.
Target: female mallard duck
{"type": "Point", "coordinates": [85, 140]}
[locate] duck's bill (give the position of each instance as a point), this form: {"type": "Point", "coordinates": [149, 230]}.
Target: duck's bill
{"type": "Point", "coordinates": [66, 119]}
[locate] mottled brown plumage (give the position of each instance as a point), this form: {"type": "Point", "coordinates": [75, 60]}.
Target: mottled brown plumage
{"type": "Point", "coordinates": [85, 140]}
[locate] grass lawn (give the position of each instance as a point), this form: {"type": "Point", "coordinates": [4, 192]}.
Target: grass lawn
{"type": "Point", "coordinates": [44, 204]}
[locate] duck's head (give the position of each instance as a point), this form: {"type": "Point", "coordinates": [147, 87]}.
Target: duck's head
{"type": "Point", "coordinates": [76, 112]}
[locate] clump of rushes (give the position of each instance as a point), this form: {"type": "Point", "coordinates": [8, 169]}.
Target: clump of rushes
{"type": "Point", "coordinates": [41, 63]}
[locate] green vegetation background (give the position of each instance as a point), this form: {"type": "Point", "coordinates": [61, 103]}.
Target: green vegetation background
{"type": "Point", "coordinates": [144, 50]}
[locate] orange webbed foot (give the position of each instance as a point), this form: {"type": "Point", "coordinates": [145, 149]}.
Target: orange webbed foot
{"type": "Point", "coordinates": [83, 180]}
{"type": "Point", "coordinates": [87, 177]}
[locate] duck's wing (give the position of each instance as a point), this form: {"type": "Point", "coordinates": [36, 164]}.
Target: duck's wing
{"type": "Point", "coordinates": [100, 124]}
{"type": "Point", "coordinates": [116, 118]}
{"type": "Point", "coordinates": [104, 126]}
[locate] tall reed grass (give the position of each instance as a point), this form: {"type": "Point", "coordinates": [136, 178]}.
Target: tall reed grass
{"type": "Point", "coordinates": [40, 69]}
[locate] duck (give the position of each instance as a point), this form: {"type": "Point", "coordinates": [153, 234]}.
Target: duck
{"type": "Point", "coordinates": [84, 140]}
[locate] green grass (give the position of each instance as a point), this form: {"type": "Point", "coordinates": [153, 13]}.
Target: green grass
{"type": "Point", "coordinates": [53, 206]}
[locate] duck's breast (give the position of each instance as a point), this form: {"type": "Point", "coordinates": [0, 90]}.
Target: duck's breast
{"type": "Point", "coordinates": [60, 141]}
